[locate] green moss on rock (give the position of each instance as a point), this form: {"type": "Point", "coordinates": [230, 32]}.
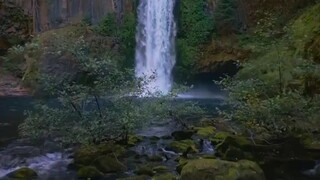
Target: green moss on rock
{"type": "Point", "coordinates": [182, 163]}
{"type": "Point", "coordinates": [108, 164]}
{"type": "Point", "coordinates": [144, 170]}
{"type": "Point", "coordinates": [160, 169]}
{"type": "Point", "coordinates": [306, 27]}
{"type": "Point", "coordinates": [133, 140]}
{"type": "Point", "coordinates": [204, 169]}
{"type": "Point", "coordinates": [184, 146]}
{"type": "Point", "coordinates": [89, 172]}
{"type": "Point", "coordinates": [86, 155]}
{"type": "Point", "coordinates": [23, 173]}
{"type": "Point", "coordinates": [143, 177]}
{"type": "Point", "coordinates": [219, 137]}
{"type": "Point", "coordinates": [206, 132]}
{"type": "Point", "coordinates": [165, 176]}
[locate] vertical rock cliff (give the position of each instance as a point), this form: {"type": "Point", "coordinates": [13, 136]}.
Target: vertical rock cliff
{"type": "Point", "coordinates": [50, 14]}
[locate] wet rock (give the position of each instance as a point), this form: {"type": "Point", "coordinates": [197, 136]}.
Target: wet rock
{"type": "Point", "coordinates": [89, 172]}
{"type": "Point", "coordinates": [219, 137]}
{"type": "Point", "coordinates": [206, 132]}
{"type": "Point", "coordinates": [142, 177]}
{"type": "Point", "coordinates": [206, 156]}
{"type": "Point", "coordinates": [165, 176]}
{"type": "Point", "coordinates": [182, 135]}
{"type": "Point", "coordinates": [107, 164]}
{"type": "Point", "coordinates": [144, 170]}
{"type": "Point", "coordinates": [133, 140]}
{"type": "Point", "coordinates": [160, 169]}
{"type": "Point", "coordinates": [205, 169]}
{"type": "Point", "coordinates": [234, 154]}
{"type": "Point", "coordinates": [184, 146]}
{"type": "Point", "coordinates": [154, 139]}
{"type": "Point", "coordinates": [155, 158]}
{"type": "Point", "coordinates": [317, 170]}
{"type": "Point", "coordinates": [87, 154]}
{"type": "Point", "coordinates": [23, 173]}
{"type": "Point", "coordinates": [166, 137]}
{"type": "Point", "coordinates": [233, 148]}
{"type": "Point", "coordinates": [182, 163]}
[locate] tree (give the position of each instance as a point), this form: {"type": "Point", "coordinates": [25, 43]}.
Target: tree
{"type": "Point", "coordinates": [225, 14]}
{"type": "Point", "coordinates": [97, 105]}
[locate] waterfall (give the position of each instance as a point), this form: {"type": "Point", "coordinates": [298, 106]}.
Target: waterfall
{"type": "Point", "coordinates": [155, 51]}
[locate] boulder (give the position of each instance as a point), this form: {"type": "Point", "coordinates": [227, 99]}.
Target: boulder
{"type": "Point", "coordinates": [206, 132]}
{"type": "Point", "coordinates": [160, 169]}
{"type": "Point", "coordinates": [155, 158]}
{"type": "Point", "coordinates": [86, 155]}
{"type": "Point", "coordinates": [144, 170]}
{"type": "Point", "coordinates": [108, 164]}
{"type": "Point", "coordinates": [184, 146]}
{"type": "Point", "coordinates": [142, 177]}
{"type": "Point", "coordinates": [89, 172]}
{"type": "Point", "coordinates": [206, 169]}
{"type": "Point", "coordinates": [219, 137]}
{"type": "Point", "coordinates": [165, 176]}
{"type": "Point", "coordinates": [182, 135]}
{"type": "Point", "coordinates": [234, 148]}
{"type": "Point", "coordinates": [133, 140]}
{"type": "Point", "coordinates": [23, 173]}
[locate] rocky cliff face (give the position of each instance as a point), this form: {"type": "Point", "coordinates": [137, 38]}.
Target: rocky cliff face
{"type": "Point", "coordinates": [51, 14]}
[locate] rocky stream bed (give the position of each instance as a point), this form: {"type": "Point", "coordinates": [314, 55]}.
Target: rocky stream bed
{"type": "Point", "coordinates": [210, 149]}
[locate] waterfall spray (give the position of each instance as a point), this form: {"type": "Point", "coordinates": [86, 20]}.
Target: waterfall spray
{"type": "Point", "coordinates": [155, 51]}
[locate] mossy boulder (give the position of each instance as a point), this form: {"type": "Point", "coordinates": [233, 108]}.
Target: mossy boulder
{"type": "Point", "coordinates": [208, 156]}
{"type": "Point", "coordinates": [206, 122]}
{"type": "Point", "coordinates": [86, 155]}
{"type": "Point", "coordinates": [109, 164]}
{"type": "Point", "coordinates": [206, 169]}
{"type": "Point", "coordinates": [181, 164]}
{"type": "Point", "coordinates": [23, 173]}
{"type": "Point", "coordinates": [144, 170]}
{"type": "Point", "coordinates": [133, 140]}
{"type": "Point", "coordinates": [234, 154]}
{"type": "Point", "coordinates": [160, 169]}
{"type": "Point", "coordinates": [143, 177]}
{"type": "Point", "coordinates": [182, 135]}
{"type": "Point", "coordinates": [165, 176]}
{"type": "Point", "coordinates": [305, 30]}
{"type": "Point", "coordinates": [233, 147]}
{"type": "Point", "coordinates": [89, 172]}
{"type": "Point", "coordinates": [155, 158]}
{"type": "Point", "coordinates": [183, 146]}
{"type": "Point", "coordinates": [219, 137]}
{"type": "Point", "coordinates": [206, 132]}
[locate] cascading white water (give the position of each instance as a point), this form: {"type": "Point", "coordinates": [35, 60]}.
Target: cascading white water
{"type": "Point", "coordinates": [155, 51]}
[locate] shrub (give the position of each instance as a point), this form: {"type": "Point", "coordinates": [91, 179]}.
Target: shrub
{"type": "Point", "coordinates": [96, 106]}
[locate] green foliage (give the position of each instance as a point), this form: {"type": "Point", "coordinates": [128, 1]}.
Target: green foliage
{"type": "Point", "coordinates": [195, 28]}
{"type": "Point", "coordinates": [277, 90]}
{"type": "Point", "coordinates": [21, 60]}
{"type": "Point", "coordinates": [225, 15]}
{"type": "Point", "coordinates": [108, 26]}
{"type": "Point", "coordinates": [15, 24]}
{"type": "Point", "coordinates": [124, 32]}
{"type": "Point", "coordinates": [94, 107]}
